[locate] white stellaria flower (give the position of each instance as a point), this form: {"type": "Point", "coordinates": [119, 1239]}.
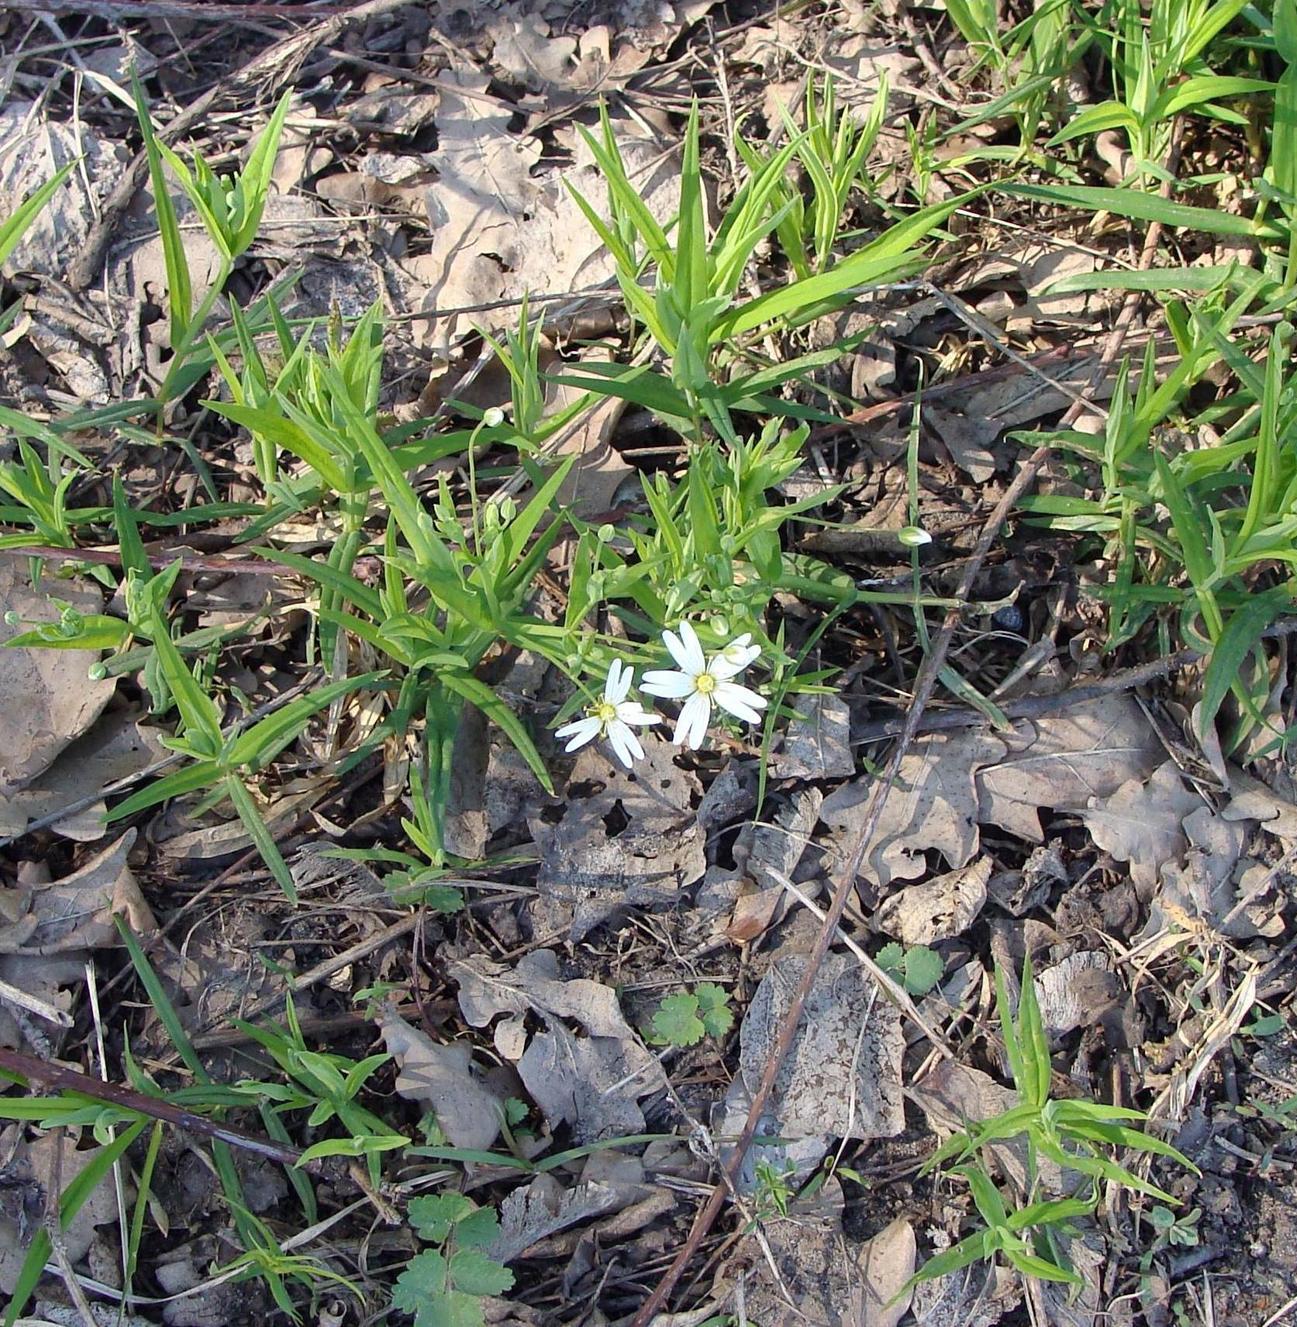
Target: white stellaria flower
{"type": "Point", "coordinates": [611, 717]}
{"type": "Point", "coordinates": [702, 683]}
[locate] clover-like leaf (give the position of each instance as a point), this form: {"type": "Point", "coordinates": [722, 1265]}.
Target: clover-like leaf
{"type": "Point", "coordinates": [676, 1021]}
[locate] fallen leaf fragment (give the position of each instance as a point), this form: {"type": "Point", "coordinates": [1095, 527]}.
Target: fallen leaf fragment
{"type": "Point", "coordinates": [441, 1078]}
{"type": "Point", "coordinates": [842, 1075]}
{"type": "Point", "coordinates": [47, 698]}
{"type": "Point", "coordinates": [1142, 822]}
{"type": "Point", "coordinates": [937, 910]}
{"type": "Point", "coordinates": [933, 805]}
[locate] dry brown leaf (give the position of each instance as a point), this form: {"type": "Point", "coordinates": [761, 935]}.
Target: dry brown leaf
{"type": "Point", "coordinates": [1141, 823]}
{"type": "Point", "coordinates": [931, 805]}
{"type": "Point", "coordinates": [886, 1263]}
{"type": "Point", "coordinates": [842, 1075]}
{"type": "Point", "coordinates": [47, 698]}
{"type": "Point", "coordinates": [1252, 800]}
{"type": "Point", "coordinates": [441, 1078]}
{"type": "Point", "coordinates": [593, 1081]}
{"type": "Point", "coordinates": [633, 841]}
{"type": "Point", "coordinates": [29, 1187]}
{"type": "Point", "coordinates": [32, 151]}
{"type": "Point", "coordinates": [938, 909]}
{"type": "Point", "coordinates": [76, 913]}
{"type": "Point", "coordinates": [817, 743]}
{"type": "Point", "coordinates": [117, 746]}
{"type": "Point", "coordinates": [1206, 887]}
{"type": "Point", "coordinates": [1063, 761]}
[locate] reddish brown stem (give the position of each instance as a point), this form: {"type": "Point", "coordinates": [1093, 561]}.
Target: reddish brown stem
{"type": "Point", "coordinates": [61, 1079]}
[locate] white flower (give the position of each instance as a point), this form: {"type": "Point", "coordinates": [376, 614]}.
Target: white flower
{"type": "Point", "coordinates": [611, 717]}
{"type": "Point", "coordinates": [702, 683]}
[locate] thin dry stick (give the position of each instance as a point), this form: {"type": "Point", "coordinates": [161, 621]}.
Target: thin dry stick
{"type": "Point", "coordinates": [54, 1229]}
{"type": "Point", "coordinates": [925, 684]}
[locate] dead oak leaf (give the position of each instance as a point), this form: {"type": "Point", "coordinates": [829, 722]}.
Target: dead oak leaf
{"type": "Point", "coordinates": [932, 804]}
{"type": "Point", "coordinates": [937, 909]}
{"type": "Point", "coordinates": [1062, 761]}
{"type": "Point", "coordinates": [1141, 823]}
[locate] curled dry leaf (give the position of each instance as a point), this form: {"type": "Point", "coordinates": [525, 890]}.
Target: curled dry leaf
{"type": "Point", "coordinates": [46, 696]}
{"type": "Point", "coordinates": [933, 805]}
{"type": "Point", "coordinates": [593, 1081]}
{"type": "Point", "coordinates": [442, 1079]}
{"type": "Point", "coordinates": [937, 910]}
{"type": "Point", "coordinates": [1142, 822]}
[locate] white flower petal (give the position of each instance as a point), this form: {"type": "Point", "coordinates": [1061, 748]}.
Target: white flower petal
{"type": "Point", "coordinates": [733, 659]}
{"type": "Point", "coordinates": [668, 685]}
{"type": "Point", "coordinates": [618, 683]}
{"type": "Point", "coordinates": [631, 711]}
{"type": "Point", "coordinates": [691, 726]}
{"type": "Point", "coordinates": [685, 649]}
{"type": "Point", "coordinates": [741, 702]}
{"type": "Point", "coordinates": [624, 743]}
{"type": "Point", "coordinates": [581, 732]}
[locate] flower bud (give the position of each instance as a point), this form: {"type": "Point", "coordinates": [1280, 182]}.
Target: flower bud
{"type": "Point", "coordinates": [913, 536]}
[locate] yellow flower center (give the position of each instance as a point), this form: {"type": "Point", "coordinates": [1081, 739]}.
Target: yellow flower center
{"type": "Point", "coordinates": [605, 711]}
{"type": "Point", "coordinates": [705, 684]}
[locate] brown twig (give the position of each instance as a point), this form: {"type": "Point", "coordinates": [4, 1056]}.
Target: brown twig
{"type": "Point", "coordinates": [105, 557]}
{"type": "Point", "coordinates": [72, 1080]}
{"type": "Point", "coordinates": [845, 886]}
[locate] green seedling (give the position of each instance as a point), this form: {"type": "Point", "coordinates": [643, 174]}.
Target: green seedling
{"type": "Point", "coordinates": [445, 1284]}
{"type": "Point", "coordinates": [685, 1019]}
{"type": "Point", "coordinates": [1158, 73]}
{"type": "Point", "coordinates": [223, 762]}
{"type": "Point", "coordinates": [695, 314]}
{"type": "Point", "coordinates": [834, 152]}
{"type": "Point", "coordinates": [1076, 1135]}
{"type": "Point", "coordinates": [916, 967]}
{"type": "Point", "coordinates": [230, 210]}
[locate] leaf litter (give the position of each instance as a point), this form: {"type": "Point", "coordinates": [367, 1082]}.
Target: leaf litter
{"type": "Point", "coordinates": [1141, 888]}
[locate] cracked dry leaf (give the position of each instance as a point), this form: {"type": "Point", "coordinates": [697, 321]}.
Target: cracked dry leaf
{"type": "Point", "coordinates": [568, 1077]}
{"type": "Point", "coordinates": [932, 805]}
{"type": "Point", "coordinates": [1142, 822]}
{"type": "Point", "coordinates": [477, 209]}
{"type": "Point", "coordinates": [634, 841]}
{"type": "Point", "coordinates": [47, 698]}
{"type": "Point", "coordinates": [1062, 761]}
{"type": "Point", "coordinates": [938, 909]}
{"type": "Point", "coordinates": [842, 1075]}
{"type": "Point", "coordinates": [542, 1208]}
{"type": "Point", "coordinates": [441, 1079]}
{"type": "Point", "coordinates": [817, 744]}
